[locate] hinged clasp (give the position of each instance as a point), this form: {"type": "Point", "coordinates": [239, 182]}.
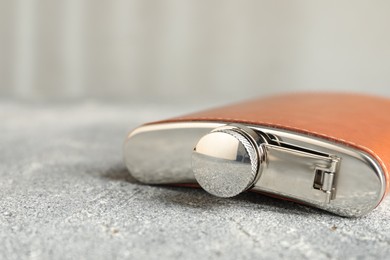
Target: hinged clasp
{"type": "Point", "coordinates": [234, 158]}
{"type": "Point", "coordinates": [324, 180]}
{"type": "Point", "coordinates": [299, 173]}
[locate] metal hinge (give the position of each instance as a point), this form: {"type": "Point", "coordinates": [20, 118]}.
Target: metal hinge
{"type": "Point", "coordinates": [299, 173]}
{"type": "Point", "coordinates": [324, 180]}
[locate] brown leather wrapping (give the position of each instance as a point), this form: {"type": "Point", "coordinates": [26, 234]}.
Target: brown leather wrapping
{"type": "Point", "coordinates": [355, 120]}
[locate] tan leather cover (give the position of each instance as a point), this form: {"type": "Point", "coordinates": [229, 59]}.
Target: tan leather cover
{"type": "Point", "coordinates": [355, 120]}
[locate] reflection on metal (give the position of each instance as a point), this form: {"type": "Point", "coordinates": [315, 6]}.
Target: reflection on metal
{"type": "Point", "coordinates": [227, 160]}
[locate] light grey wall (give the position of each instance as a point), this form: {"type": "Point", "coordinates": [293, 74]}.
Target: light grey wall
{"type": "Point", "coordinates": [227, 49]}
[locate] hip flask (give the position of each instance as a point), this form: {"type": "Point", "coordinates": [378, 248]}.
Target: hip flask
{"type": "Point", "coordinates": [327, 150]}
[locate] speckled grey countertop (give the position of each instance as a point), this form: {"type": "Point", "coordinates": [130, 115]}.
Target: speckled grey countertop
{"type": "Point", "coordinates": [65, 194]}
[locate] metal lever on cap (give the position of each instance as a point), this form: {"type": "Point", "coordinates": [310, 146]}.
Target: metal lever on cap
{"type": "Point", "coordinates": [233, 158]}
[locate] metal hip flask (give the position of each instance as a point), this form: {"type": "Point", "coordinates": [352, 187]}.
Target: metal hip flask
{"type": "Point", "coordinates": [324, 150]}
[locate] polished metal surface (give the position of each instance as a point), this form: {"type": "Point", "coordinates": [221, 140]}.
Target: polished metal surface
{"type": "Point", "coordinates": [307, 176]}
{"type": "Point", "coordinates": [226, 162]}
{"type": "Point", "coordinates": [163, 153]}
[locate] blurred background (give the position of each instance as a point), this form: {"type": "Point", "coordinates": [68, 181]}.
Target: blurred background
{"type": "Point", "coordinates": [191, 50]}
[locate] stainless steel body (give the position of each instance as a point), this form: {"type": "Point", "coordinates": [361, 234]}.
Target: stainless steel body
{"type": "Point", "coordinates": [306, 169]}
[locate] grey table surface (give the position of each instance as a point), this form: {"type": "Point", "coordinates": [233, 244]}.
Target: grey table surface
{"type": "Point", "coordinates": [66, 194]}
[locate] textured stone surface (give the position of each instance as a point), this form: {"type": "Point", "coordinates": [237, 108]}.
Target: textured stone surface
{"type": "Point", "coordinates": [65, 194]}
